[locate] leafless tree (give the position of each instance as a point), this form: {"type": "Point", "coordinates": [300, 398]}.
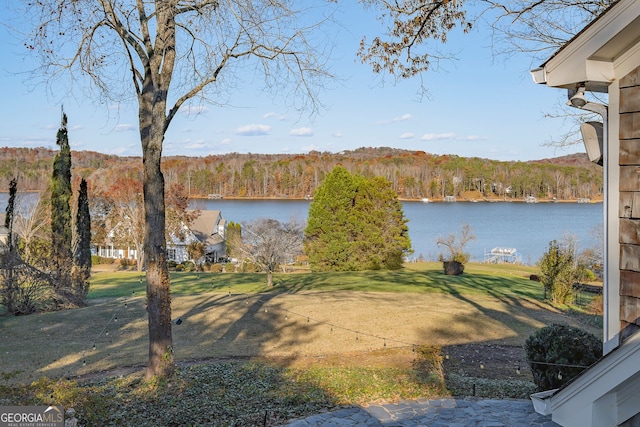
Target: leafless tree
{"type": "Point", "coordinates": [270, 244]}
{"type": "Point", "coordinates": [416, 30]}
{"type": "Point", "coordinates": [31, 225]}
{"type": "Point", "coordinates": [172, 53]}
{"type": "Point", "coordinates": [535, 27]}
{"type": "Point", "coordinates": [455, 244]}
{"type": "Point", "coordinates": [538, 27]}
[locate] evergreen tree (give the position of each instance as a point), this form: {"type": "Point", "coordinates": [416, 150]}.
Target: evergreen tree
{"type": "Point", "coordinates": [355, 223]}
{"type": "Point", "coordinates": [233, 239]}
{"type": "Point", "coordinates": [82, 255]}
{"type": "Point", "coordinates": [61, 236]}
{"type": "Point", "coordinates": [8, 219]}
{"type": "Point", "coordinates": [559, 271]}
{"type": "Point", "coordinates": [9, 285]}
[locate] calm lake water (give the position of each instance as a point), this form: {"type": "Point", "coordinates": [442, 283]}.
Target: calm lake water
{"type": "Point", "coordinates": [526, 227]}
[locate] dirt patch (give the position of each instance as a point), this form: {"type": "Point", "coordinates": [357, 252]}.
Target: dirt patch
{"type": "Point", "coordinates": [301, 329]}
{"type": "Point", "coordinates": [487, 361]}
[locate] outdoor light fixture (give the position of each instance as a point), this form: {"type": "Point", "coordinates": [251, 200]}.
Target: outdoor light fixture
{"type": "Point", "coordinates": [577, 99]}
{"type": "Point", "coordinates": [593, 133]}
{"type": "Point", "coordinates": [592, 136]}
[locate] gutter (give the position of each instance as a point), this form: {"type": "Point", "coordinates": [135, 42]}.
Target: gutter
{"type": "Point", "coordinates": [539, 75]}
{"type": "Point", "coordinates": [542, 401]}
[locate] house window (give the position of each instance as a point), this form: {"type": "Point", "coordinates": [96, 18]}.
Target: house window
{"type": "Point", "coordinates": [171, 254]}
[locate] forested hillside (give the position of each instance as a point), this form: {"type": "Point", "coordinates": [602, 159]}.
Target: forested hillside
{"type": "Point", "coordinates": [413, 174]}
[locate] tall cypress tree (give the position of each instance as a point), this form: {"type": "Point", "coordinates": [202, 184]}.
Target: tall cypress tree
{"type": "Point", "coordinates": [8, 219]}
{"type": "Point", "coordinates": [82, 256]}
{"type": "Point", "coordinates": [61, 236]}
{"type": "Point", "coordinates": [8, 284]}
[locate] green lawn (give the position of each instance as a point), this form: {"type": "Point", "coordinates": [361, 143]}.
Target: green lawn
{"type": "Point", "coordinates": [493, 280]}
{"type": "Point", "coordinates": [238, 352]}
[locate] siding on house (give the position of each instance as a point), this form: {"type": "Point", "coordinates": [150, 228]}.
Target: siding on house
{"type": "Point", "coordinates": [629, 211]}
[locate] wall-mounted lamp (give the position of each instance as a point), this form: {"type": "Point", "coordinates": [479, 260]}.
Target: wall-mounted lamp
{"type": "Point", "coordinates": [593, 133]}
{"type": "Point", "coordinates": [578, 100]}
{"type": "Point", "coordinates": [593, 137]}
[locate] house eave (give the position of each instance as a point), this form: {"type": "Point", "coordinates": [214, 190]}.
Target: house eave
{"type": "Point", "coordinates": [591, 57]}
{"type": "Point", "coordinates": [614, 375]}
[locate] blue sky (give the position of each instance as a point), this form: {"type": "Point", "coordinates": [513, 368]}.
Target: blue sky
{"type": "Point", "coordinates": [477, 106]}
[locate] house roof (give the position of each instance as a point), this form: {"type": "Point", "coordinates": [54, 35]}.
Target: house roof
{"type": "Point", "coordinates": [617, 375]}
{"type": "Point", "coordinates": [594, 55]}
{"type": "Point", "coordinates": [205, 227]}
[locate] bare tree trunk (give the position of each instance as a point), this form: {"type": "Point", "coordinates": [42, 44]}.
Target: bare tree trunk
{"type": "Point", "coordinates": [155, 256]}
{"type": "Point", "coordinates": [270, 278]}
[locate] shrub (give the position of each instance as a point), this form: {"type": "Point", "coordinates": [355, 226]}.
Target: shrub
{"type": "Point", "coordinates": [213, 268]}
{"type": "Point", "coordinates": [560, 271]}
{"type": "Point", "coordinates": [97, 260]}
{"type": "Point", "coordinates": [126, 263]}
{"type": "Point", "coordinates": [558, 353]}
{"type": "Point", "coordinates": [428, 364]}
{"type": "Point", "coordinates": [187, 266]}
{"type": "Point", "coordinates": [455, 257]}
{"type": "Point", "coordinates": [596, 306]}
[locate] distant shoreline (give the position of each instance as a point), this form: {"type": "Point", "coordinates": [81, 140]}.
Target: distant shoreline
{"type": "Point", "coordinates": [402, 199]}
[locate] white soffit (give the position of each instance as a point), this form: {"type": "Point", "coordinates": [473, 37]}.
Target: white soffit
{"type": "Point", "coordinates": [591, 55]}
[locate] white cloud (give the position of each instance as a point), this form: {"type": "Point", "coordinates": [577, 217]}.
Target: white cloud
{"type": "Point", "coordinates": [253, 130]}
{"type": "Point", "coordinates": [195, 146]}
{"type": "Point", "coordinates": [438, 136]}
{"type": "Point", "coordinates": [474, 138]}
{"type": "Point", "coordinates": [337, 134]}
{"type": "Point", "coordinates": [451, 136]}
{"type": "Point", "coordinates": [127, 150]}
{"type": "Point", "coordinates": [274, 115]}
{"type": "Point", "coordinates": [226, 141]}
{"type": "Point", "coordinates": [402, 118]}
{"type": "Point", "coordinates": [303, 131]}
{"type": "Point", "coordinates": [125, 127]}
{"type": "Point", "coordinates": [311, 147]}
{"type": "Point", "coordinates": [407, 135]}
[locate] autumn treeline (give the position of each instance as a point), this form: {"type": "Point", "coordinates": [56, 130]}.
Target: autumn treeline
{"type": "Point", "coordinates": [413, 174]}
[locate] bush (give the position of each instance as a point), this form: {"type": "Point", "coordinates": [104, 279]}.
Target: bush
{"type": "Point", "coordinates": [126, 263]}
{"type": "Point", "coordinates": [596, 306]}
{"type": "Point", "coordinates": [97, 260]}
{"type": "Point", "coordinates": [558, 353]}
{"type": "Point", "coordinates": [455, 257]}
{"type": "Point", "coordinates": [428, 364]}
{"type": "Point", "coordinates": [213, 268]}
{"type": "Point", "coordinates": [186, 266]}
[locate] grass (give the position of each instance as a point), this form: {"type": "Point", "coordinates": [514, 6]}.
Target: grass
{"type": "Point", "coordinates": [502, 280]}
{"type": "Point", "coordinates": [266, 333]}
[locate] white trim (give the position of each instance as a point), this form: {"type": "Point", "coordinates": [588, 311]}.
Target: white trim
{"type": "Point", "coordinates": [627, 62]}
{"type": "Point", "coordinates": [578, 61]}
{"type": "Point", "coordinates": [611, 220]}
{"type": "Point", "coordinates": [602, 392]}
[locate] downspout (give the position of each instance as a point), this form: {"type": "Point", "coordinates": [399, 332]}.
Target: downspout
{"type": "Point", "coordinates": [603, 111]}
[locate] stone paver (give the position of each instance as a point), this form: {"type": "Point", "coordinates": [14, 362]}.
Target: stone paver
{"type": "Point", "coordinates": [468, 412]}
